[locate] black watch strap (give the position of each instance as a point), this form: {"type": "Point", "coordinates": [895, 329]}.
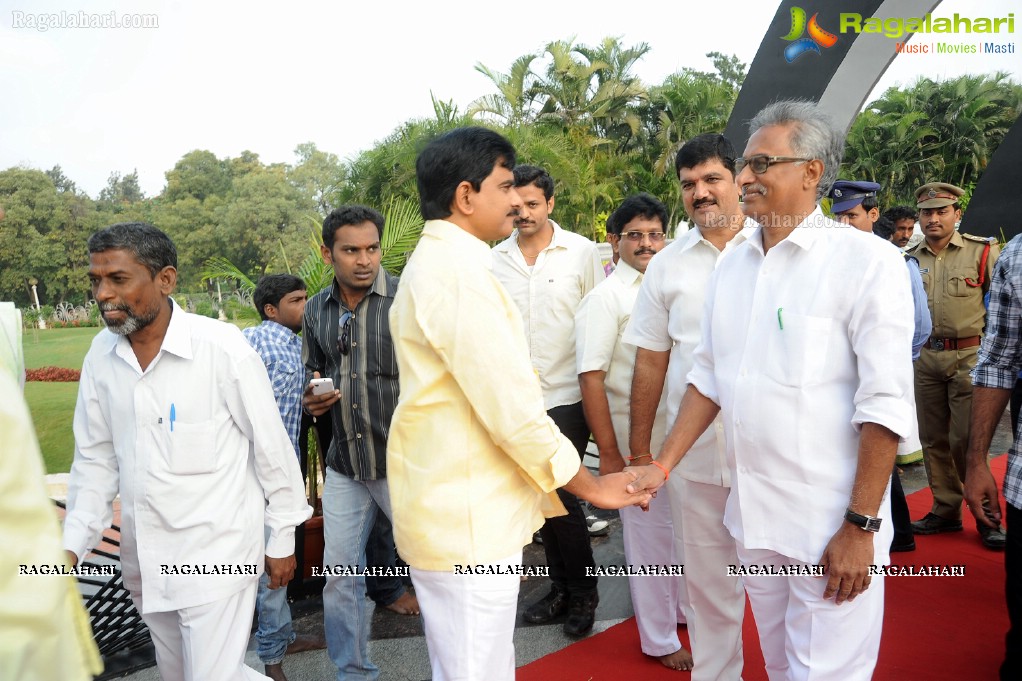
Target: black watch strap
{"type": "Point", "coordinates": [863, 522]}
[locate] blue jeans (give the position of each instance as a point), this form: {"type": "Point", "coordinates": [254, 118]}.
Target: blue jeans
{"type": "Point", "coordinates": [349, 510]}
{"type": "Point", "coordinates": [274, 633]}
{"type": "Point", "coordinates": [380, 551]}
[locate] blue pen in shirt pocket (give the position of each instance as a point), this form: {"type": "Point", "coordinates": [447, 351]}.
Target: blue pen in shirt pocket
{"type": "Point", "coordinates": [173, 416]}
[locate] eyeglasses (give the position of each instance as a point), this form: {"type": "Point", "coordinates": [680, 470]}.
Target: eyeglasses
{"type": "Point", "coordinates": [344, 329]}
{"type": "Point", "coordinates": [760, 163]}
{"type": "Point", "coordinates": [637, 237]}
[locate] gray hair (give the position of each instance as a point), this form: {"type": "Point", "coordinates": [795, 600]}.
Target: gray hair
{"type": "Point", "coordinates": [813, 135]}
{"type": "Point", "coordinates": [151, 248]}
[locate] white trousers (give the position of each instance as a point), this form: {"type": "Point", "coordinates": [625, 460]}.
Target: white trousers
{"type": "Point", "coordinates": [204, 642]}
{"type": "Point", "coordinates": [469, 622]}
{"type": "Point", "coordinates": [649, 540]}
{"type": "Point", "coordinates": [716, 601]}
{"type": "Point", "coordinates": [806, 638]}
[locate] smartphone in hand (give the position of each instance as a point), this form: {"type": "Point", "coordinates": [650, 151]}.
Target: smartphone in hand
{"type": "Point", "coordinates": [322, 386]}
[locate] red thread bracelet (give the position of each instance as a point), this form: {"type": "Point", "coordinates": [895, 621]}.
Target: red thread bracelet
{"type": "Point", "coordinates": [661, 467]}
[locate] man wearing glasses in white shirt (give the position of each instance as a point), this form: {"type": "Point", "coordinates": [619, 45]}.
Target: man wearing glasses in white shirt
{"type": "Point", "coordinates": [805, 359]}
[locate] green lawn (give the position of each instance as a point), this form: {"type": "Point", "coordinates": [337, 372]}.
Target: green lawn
{"type": "Point", "coordinates": [53, 404]}
{"type": "Point", "coordinates": [57, 347]}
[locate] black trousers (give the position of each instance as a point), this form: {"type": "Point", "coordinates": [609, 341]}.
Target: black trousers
{"type": "Point", "coordinates": [566, 537]}
{"type": "Point", "coordinates": [900, 519]}
{"type": "Point", "coordinates": [1011, 670]}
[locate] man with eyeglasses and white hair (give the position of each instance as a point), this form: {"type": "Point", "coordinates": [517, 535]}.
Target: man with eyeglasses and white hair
{"type": "Point", "coordinates": [806, 361]}
{"type": "Point", "coordinates": [346, 337]}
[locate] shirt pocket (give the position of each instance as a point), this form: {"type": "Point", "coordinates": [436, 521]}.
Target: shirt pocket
{"type": "Point", "coordinates": [287, 380]}
{"type": "Point", "coordinates": [382, 362]}
{"type": "Point", "coordinates": [800, 348]}
{"type": "Point", "coordinates": [192, 449]}
{"type": "Point", "coordinates": [957, 286]}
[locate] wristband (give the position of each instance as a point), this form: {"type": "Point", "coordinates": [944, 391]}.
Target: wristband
{"type": "Point", "coordinates": [640, 456]}
{"type": "Point", "coordinates": [667, 473]}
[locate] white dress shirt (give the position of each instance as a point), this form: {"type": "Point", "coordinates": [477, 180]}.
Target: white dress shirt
{"type": "Point", "coordinates": [548, 295]}
{"type": "Point", "coordinates": [197, 450]}
{"type": "Point", "coordinates": [800, 347]}
{"type": "Point", "coordinates": [667, 316]}
{"type": "Point", "coordinates": [599, 323]}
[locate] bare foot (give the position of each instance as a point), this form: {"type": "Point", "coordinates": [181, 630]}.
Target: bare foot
{"type": "Point", "coordinates": [680, 660]}
{"type": "Point", "coordinates": [406, 604]}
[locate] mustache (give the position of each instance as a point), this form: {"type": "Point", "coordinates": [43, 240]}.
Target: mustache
{"type": "Point", "coordinates": [513, 213]}
{"type": "Point", "coordinates": [644, 251]}
{"type": "Point", "coordinates": [704, 202]}
{"type": "Point", "coordinates": [110, 307]}
{"type": "Point", "coordinates": [754, 187]}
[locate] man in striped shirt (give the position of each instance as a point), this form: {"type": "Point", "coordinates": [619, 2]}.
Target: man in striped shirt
{"type": "Point", "coordinates": [346, 338]}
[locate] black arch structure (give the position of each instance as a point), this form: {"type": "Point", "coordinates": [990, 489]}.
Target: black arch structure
{"type": "Point", "coordinates": [992, 210]}
{"type": "Point", "coordinates": [841, 77]}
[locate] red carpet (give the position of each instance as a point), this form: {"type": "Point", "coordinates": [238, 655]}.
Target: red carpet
{"type": "Point", "coordinates": [935, 628]}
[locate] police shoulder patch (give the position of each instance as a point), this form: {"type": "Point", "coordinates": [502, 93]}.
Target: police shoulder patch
{"type": "Point", "coordinates": [978, 239]}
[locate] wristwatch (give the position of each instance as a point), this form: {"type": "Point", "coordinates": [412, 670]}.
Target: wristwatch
{"type": "Point", "coordinates": [863, 522]}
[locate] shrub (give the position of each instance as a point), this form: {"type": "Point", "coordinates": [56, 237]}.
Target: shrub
{"type": "Point", "coordinates": [53, 375]}
{"type": "Point", "coordinates": [205, 308]}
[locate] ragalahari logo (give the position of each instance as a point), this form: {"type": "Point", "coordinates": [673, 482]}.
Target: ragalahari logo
{"type": "Point", "coordinates": [817, 36]}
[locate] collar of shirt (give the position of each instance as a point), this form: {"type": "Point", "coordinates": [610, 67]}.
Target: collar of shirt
{"type": "Point", "coordinates": [695, 236]}
{"type": "Point", "coordinates": [463, 243]}
{"type": "Point", "coordinates": [626, 273]}
{"type": "Point", "coordinates": [956, 240]}
{"type": "Point", "coordinates": [805, 234]}
{"type": "Point", "coordinates": [277, 332]}
{"type": "Point", "coordinates": [177, 341]}
{"type": "Point", "coordinates": [509, 246]}
{"type": "Point", "coordinates": [380, 287]}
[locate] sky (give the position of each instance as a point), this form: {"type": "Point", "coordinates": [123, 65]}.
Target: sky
{"type": "Point", "coordinates": [343, 75]}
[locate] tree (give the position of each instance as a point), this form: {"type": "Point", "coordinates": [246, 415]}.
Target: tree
{"type": "Point", "coordinates": [259, 215]}
{"type": "Point", "coordinates": [318, 177]}
{"type": "Point", "coordinates": [511, 106]}
{"type": "Point", "coordinates": [931, 130]}
{"type": "Point", "coordinates": [198, 174]}
{"type": "Point", "coordinates": [62, 182]}
{"type": "Point", "coordinates": [595, 91]}
{"type": "Point", "coordinates": [32, 212]}
{"type": "Point", "coordinates": [121, 190]}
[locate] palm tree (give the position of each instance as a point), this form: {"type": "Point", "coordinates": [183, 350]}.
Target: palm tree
{"type": "Point", "coordinates": [511, 104]}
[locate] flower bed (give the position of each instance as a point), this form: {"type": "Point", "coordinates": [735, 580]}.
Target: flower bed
{"type": "Point", "coordinates": [53, 375]}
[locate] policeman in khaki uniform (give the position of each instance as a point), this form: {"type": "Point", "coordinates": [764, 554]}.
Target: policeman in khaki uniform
{"type": "Point", "coordinates": [956, 270]}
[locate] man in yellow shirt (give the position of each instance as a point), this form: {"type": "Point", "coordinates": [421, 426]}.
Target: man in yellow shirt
{"type": "Point", "coordinates": [473, 459]}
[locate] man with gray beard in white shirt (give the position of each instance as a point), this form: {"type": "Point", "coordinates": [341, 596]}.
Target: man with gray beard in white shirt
{"type": "Point", "coordinates": [807, 362]}
{"type": "Point", "coordinates": [176, 413]}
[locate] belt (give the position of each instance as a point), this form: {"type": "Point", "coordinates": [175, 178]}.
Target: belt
{"type": "Point", "coordinates": [952, 343]}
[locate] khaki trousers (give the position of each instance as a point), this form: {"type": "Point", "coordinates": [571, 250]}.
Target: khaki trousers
{"type": "Point", "coordinates": [943, 390]}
